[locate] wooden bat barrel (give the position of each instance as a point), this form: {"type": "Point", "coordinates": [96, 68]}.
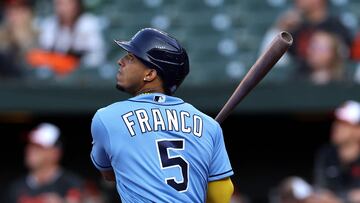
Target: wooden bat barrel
{"type": "Point", "coordinates": [257, 72]}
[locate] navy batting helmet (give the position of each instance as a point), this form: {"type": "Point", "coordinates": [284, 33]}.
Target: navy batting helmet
{"type": "Point", "coordinates": [158, 50]}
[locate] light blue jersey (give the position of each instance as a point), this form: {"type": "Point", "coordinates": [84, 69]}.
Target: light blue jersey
{"type": "Point", "coordinates": [160, 148]}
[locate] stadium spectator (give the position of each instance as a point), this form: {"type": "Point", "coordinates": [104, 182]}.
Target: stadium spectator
{"type": "Point", "coordinates": [46, 181]}
{"type": "Point", "coordinates": [69, 39]}
{"type": "Point", "coordinates": [337, 166]}
{"type": "Point", "coordinates": [302, 20]}
{"type": "Point", "coordinates": [17, 35]}
{"type": "Point", "coordinates": [294, 189]}
{"type": "Point", "coordinates": [316, 15]}
{"type": "Point", "coordinates": [291, 190]}
{"type": "Point", "coordinates": [325, 58]}
{"type": "Point", "coordinates": [287, 21]}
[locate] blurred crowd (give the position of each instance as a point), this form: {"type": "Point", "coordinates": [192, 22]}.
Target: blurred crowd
{"type": "Point", "coordinates": [47, 180]}
{"type": "Point", "coordinates": [326, 48]}
{"type": "Point", "coordinates": [49, 46]}
{"type": "Point", "coordinates": [336, 177]}
{"type": "Point", "coordinates": [324, 45]}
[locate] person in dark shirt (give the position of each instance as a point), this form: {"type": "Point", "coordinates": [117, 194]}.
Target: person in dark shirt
{"type": "Point", "coordinates": [303, 20]}
{"type": "Point", "coordinates": [337, 165]}
{"type": "Point", "coordinates": [315, 16]}
{"type": "Point", "coordinates": [46, 181]}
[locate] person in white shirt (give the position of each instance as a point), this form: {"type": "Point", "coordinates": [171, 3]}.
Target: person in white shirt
{"type": "Point", "coordinates": [73, 31]}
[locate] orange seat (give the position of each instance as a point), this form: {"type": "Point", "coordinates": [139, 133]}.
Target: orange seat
{"type": "Point", "coordinates": [61, 64]}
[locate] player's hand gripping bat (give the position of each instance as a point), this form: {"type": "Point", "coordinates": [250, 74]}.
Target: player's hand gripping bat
{"type": "Point", "coordinates": [262, 66]}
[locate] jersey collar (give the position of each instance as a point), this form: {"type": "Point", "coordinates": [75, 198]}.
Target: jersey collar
{"type": "Point", "coordinates": [157, 98]}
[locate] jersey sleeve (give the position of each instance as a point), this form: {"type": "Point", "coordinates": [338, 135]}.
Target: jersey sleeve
{"type": "Point", "coordinates": [100, 143]}
{"type": "Point", "coordinates": [220, 166]}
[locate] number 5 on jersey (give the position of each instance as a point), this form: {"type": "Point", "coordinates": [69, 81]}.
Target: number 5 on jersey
{"type": "Point", "coordinates": [164, 146]}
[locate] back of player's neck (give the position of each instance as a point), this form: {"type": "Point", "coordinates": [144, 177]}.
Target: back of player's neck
{"type": "Point", "coordinates": [150, 90]}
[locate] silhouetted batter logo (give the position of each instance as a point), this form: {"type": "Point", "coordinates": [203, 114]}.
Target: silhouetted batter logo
{"type": "Point", "coordinates": [159, 98]}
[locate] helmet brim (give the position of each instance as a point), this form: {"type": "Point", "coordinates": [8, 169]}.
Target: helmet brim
{"type": "Point", "coordinates": [127, 46]}
{"type": "Point", "coordinates": [124, 45]}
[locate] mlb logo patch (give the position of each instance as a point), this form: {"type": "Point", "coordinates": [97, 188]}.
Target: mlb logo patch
{"type": "Point", "coordinates": [159, 98]}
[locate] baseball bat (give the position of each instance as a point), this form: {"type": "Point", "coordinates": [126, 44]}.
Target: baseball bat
{"type": "Point", "coordinates": [257, 72]}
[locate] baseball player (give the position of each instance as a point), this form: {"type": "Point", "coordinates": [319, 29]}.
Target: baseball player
{"type": "Point", "coordinates": [157, 147]}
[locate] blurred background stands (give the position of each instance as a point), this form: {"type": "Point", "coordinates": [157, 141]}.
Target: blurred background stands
{"type": "Point", "coordinates": [221, 36]}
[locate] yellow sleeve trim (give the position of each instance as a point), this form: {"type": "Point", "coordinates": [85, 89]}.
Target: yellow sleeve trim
{"type": "Point", "coordinates": [220, 191]}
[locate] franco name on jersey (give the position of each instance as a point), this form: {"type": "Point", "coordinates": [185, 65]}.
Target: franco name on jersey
{"type": "Point", "coordinates": [170, 120]}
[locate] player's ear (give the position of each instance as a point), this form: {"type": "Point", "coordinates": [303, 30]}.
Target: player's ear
{"type": "Point", "coordinates": [151, 74]}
